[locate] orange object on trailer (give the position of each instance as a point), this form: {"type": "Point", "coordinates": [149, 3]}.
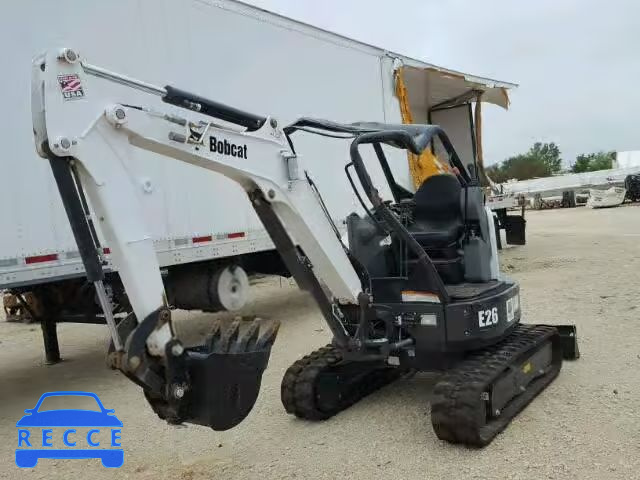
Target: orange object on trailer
{"type": "Point", "coordinates": [426, 164]}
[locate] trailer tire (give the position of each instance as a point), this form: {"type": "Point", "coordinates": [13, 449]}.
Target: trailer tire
{"type": "Point", "coordinates": [208, 287]}
{"type": "Point", "coordinates": [232, 287]}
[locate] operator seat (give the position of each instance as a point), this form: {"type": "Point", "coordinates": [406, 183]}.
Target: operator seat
{"type": "Point", "coordinates": [438, 219]}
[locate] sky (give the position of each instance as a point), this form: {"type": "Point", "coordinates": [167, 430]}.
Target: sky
{"type": "Point", "coordinates": [577, 62]}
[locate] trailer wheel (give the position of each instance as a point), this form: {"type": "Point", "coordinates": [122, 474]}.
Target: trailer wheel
{"type": "Point", "coordinates": [232, 287]}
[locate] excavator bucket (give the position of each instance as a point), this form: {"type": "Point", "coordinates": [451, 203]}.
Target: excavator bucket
{"type": "Point", "coordinates": [226, 372]}
{"type": "Point", "coordinates": [217, 383]}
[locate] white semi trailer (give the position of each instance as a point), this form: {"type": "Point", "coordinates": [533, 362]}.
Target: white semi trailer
{"type": "Point", "coordinates": [207, 237]}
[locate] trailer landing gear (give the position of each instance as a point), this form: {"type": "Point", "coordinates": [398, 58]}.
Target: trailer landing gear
{"type": "Point", "coordinates": [50, 337]}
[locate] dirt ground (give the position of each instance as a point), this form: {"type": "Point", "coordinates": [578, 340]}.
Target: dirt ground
{"type": "Point", "coordinates": [579, 266]}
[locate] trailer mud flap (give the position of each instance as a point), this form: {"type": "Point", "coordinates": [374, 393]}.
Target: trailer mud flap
{"type": "Point", "coordinates": [515, 226]}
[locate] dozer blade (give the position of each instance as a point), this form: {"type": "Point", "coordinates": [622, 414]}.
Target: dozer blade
{"type": "Point", "coordinates": [223, 376]}
{"type": "Point", "coordinates": [568, 341]}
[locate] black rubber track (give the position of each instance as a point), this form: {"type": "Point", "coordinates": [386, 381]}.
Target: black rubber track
{"type": "Point", "coordinates": [302, 386]}
{"type": "Point", "coordinates": [459, 406]}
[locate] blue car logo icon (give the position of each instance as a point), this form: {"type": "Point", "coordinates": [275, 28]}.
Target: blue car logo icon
{"type": "Point", "coordinates": [101, 422]}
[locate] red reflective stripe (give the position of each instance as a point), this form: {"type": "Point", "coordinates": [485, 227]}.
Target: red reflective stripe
{"type": "Point", "coordinates": [235, 235]}
{"type": "Point", "coordinates": [202, 239]}
{"type": "Point", "coordinates": [41, 258]}
{"type": "Point", "coordinates": [106, 250]}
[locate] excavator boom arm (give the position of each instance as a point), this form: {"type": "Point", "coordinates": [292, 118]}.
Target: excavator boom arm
{"type": "Point", "coordinates": [90, 143]}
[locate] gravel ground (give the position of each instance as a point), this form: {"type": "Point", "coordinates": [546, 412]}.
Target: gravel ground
{"type": "Point", "coordinates": [579, 266]}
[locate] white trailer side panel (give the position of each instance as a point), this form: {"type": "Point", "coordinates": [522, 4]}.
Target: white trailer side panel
{"type": "Point", "coordinates": [223, 50]}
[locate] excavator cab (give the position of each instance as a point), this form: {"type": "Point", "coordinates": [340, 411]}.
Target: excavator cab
{"type": "Point", "coordinates": [440, 235]}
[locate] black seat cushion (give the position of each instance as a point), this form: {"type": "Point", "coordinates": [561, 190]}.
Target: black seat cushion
{"type": "Point", "coordinates": [433, 235]}
{"type": "Point", "coordinates": [437, 214]}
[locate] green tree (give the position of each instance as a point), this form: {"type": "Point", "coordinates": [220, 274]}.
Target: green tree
{"type": "Point", "coordinates": [548, 154]}
{"type": "Point", "coordinates": [590, 162]}
{"type": "Point", "coordinates": [542, 160]}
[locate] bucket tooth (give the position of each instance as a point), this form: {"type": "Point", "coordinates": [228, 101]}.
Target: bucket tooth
{"type": "Point", "coordinates": [268, 334]}
{"type": "Point", "coordinates": [229, 336]}
{"type": "Point", "coordinates": [247, 340]}
{"type": "Point", "coordinates": [213, 338]}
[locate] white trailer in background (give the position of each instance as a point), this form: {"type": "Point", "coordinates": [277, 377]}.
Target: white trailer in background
{"type": "Point", "coordinates": [207, 237]}
{"type": "Point", "coordinates": [627, 159]}
{"type": "Point", "coordinates": [575, 186]}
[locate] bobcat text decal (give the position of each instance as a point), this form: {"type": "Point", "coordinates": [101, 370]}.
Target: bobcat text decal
{"type": "Point", "coordinates": [223, 147]}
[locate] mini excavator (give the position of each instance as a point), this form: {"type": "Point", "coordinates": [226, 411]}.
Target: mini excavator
{"type": "Point", "coordinates": [414, 286]}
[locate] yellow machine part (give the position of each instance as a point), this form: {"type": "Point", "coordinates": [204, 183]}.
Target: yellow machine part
{"type": "Point", "coordinates": [424, 165]}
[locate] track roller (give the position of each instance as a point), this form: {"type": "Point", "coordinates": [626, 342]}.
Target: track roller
{"type": "Point", "coordinates": [322, 384]}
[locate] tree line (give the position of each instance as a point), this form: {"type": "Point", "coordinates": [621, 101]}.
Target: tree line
{"type": "Point", "coordinates": [544, 160]}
